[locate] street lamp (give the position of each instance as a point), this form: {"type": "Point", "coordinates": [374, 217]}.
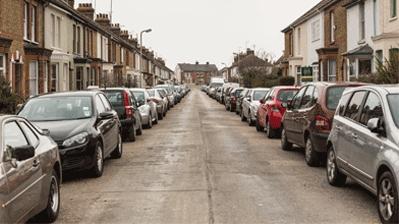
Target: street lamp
{"type": "Point", "coordinates": [141, 54]}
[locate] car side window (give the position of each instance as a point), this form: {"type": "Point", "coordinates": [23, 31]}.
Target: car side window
{"type": "Point", "coordinates": [30, 135]}
{"type": "Point", "coordinates": [270, 95]}
{"type": "Point", "coordinates": [106, 103]}
{"type": "Point", "coordinates": [307, 99]}
{"type": "Point", "coordinates": [342, 104]}
{"type": "Point", "coordinates": [371, 109]}
{"type": "Point", "coordinates": [99, 105]}
{"type": "Point", "coordinates": [353, 108]}
{"type": "Point", "coordinates": [14, 136]}
{"type": "Point", "coordinates": [296, 102]}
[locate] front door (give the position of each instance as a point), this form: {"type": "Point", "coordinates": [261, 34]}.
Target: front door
{"type": "Point", "coordinates": [23, 177]}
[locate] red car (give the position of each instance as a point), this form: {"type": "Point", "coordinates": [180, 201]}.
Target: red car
{"type": "Point", "coordinates": [271, 111]}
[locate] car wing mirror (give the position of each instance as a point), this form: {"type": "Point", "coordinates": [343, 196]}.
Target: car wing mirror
{"type": "Point", "coordinates": [376, 125]}
{"type": "Point", "coordinates": [46, 132]}
{"type": "Point", "coordinates": [262, 101]}
{"type": "Point", "coordinates": [22, 153]}
{"type": "Point", "coordinates": [106, 115]}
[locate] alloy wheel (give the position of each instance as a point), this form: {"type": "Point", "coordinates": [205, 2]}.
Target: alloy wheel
{"type": "Point", "coordinates": [331, 168]}
{"type": "Point", "coordinates": [386, 199]}
{"type": "Point", "coordinates": [54, 195]}
{"type": "Point", "coordinates": [99, 158]}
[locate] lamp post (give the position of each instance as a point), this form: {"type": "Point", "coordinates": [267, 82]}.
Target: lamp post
{"type": "Point", "coordinates": [141, 54]}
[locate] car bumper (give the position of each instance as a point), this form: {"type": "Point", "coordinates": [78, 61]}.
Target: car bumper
{"type": "Point", "coordinates": [275, 120]}
{"type": "Point", "coordinates": [78, 158]}
{"type": "Point", "coordinates": [320, 141]}
{"type": "Point", "coordinates": [126, 125]}
{"type": "Point", "coordinates": [144, 118]}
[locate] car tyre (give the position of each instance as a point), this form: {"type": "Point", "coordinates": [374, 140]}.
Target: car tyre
{"type": "Point", "coordinates": [117, 153]}
{"type": "Point", "coordinates": [258, 127]}
{"type": "Point", "coordinates": [387, 198]}
{"type": "Point", "coordinates": [243, 119]}
{"type": "Point", "coordinates": [140, 130]}
{"type": "Point", "coordinates": [249, 120]}
{"type": "Point", "coordinates": [270, 132]}
{"type": "Point", "coordinates": [285, 144]}
{"type": "Point", "coordinates": [149, 125]}
{"type": "Point", "coordinates": [98, 168]}
{"type": "Point", "coordinates": [312, 157]}
{"type": "Point", "coordinates": [131, 134]}
{"type": "Point", "coordinates": [156, 119]}
{"type": "Point", "coordinates": [50, 213]}
{"type": "Point", "coordinates": [160, 116]}
{"type": "Point", "coordinates": [334, 176]}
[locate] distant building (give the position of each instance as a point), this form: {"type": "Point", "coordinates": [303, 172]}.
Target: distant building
{"type": "Point", "coordinates": [197, 73]}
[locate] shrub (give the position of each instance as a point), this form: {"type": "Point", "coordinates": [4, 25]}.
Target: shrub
{"type": "Point", "coordinates": [8, 100]}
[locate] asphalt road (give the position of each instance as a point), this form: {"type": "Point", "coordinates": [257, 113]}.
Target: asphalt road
{"type": "Point", "coordinates": [203, 165]}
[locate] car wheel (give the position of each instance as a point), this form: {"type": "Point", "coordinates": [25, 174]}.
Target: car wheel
{"type": "Point", "coordinates": [97, 170]}
{"type": "Point", "coordinates": [140, 130]}
{"type": "Point", "coordinates": [243, 119]}
{"type": "Point", "coordinates": [132, 134]}
{"type": "Point", "coordinates": [149, 125]}
{"type": "Point", "coordinates": [387, 198]}
{"type": "Point", "coordinates": [312, 157]}
{"type": "Point", "coordinates": [270, 133]}
{"type": "Point", "coordinates": [258, 127]}
{"type": "Point", "coordinates": [160, 116]}
{"type": "Point", "coordinates": [334, 176]}
{"type": "Point", "coordinates": [249, 120]}
{"type": "Point", "coordinates": [50, 213]}
{"type": "Point", "coordinates": [285, 144]}
{"type": "Point", "coordinates": [156, 119]}
{"type": "Point", "coordinates": [117, 153]}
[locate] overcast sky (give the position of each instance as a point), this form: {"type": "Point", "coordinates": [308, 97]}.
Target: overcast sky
{"type": "Point", "coordinates": [206, 30]}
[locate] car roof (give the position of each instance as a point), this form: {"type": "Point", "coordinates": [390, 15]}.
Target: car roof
{"type": "Point", "coordinates": [138, 89]}
{"type": "Point", "coordinates": [327, 84]}
{"type": "Point", "coordinates": [6, 116]}
{"type": "Point", "coordinates": [69, 94]}
{"type": "Point", "coordinates": [115, 89]}
{"type": "Point", "coordinates": [261, 89]}
{"type": "Point", "coordinates": [384, 89]}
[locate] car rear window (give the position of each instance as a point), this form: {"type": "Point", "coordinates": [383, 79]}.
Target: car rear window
{"type": "Point", "coordinates": [258, 95]}
{"type": "Point", "coordinates": [334, 94]}
{"type": "Point", "coordinates": [286, 95]}
{"type": "Point", "coordinates": [115, 98]}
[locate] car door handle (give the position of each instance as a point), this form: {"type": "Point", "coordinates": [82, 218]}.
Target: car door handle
{"type": "Point", "coordinates": [339, 128]}
{"type": "Point", "coordinates": [36, 163]}
{"type": "Point", "coordinates": [355, 136]}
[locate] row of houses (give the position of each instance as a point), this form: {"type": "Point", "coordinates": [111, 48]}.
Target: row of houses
{"type": "Point", "coordinates": [49, 45]}
{"type": "Point", "coordinates": [341, 40]}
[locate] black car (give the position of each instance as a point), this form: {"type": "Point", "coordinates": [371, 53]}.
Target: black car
{"type": "Point", "coordinates": [83, 124]}
{"type": "Point", "coordinates": [126, 105]}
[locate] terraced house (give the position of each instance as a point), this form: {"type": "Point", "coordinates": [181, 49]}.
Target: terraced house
{"type": "Point", "coordinates": [341, 40]}
{"type": "Point", "coordinates": [49, 46]}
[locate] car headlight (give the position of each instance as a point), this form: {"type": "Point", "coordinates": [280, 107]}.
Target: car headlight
{"type": "Point", "coordinates": [79, 139]}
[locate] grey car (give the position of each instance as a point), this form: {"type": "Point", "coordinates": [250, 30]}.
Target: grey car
{"type": "Point", "coordinates": [161, 102]}
{"type": "Point", "coordinates": [147, 108]}
{"type": "Point", "coordinates": [364, 145]}
{"type": "Point", "coordinates": [250, 104]}
{"type": "Point", "coordinates": [30, 172]}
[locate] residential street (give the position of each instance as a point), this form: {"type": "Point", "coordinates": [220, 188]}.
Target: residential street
{"type": "Point", "coordinates": [201, 164]}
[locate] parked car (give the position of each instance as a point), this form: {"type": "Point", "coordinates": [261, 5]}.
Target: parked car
{"type": "Point", "coordinates": [271, 111]}
{"type": "Point", "coordinates": [243, 94]}
{"type": "Point", "coordinates": [231, 99]}
{"type": "Point", "coordinates": [219, 93]}
{"type": "Point", "coordinates": [169, 94]}
{"type": "Point", "coordinates": [126, 105]}
{"type": "Point", "coordinates": [83, 124]}
{"type": "Point", "coordinates": [30, 172]}
{"type": "Point", "coordinates": [364, 145]}
{"type": "Point", "coordinates": [307, 121]}
{"type": "Point", "coordinates": [251, 103]}
{"type": "Point", "coordinates": [160, 100]}
{"type": "Point", "coordinates": [147, 107]}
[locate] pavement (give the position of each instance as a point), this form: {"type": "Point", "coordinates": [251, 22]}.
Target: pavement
{"type": "Point", "coordinates": [201, 164]}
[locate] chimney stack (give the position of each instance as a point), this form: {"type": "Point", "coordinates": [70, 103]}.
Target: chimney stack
{"type": "Point", "coordinates": [86, 9]}
{"type": "Point", "coordinates": [115, 28]}
{"type": "Point", "coordinates": [132, 41]}
{"type": "Point", "coordinates": [103, 20]}
{"type": "Point", "coordinates": [71, 3]}
{"type": "Point", "coordinates": [250, 52]}
{"type": "Point", "coordinates": [125, 34]}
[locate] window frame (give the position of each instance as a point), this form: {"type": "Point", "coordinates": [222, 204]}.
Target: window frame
{"type": "Point", "coordinates": [332, 27]}
{"type": "Point", "coordinates": [3, 68]}
{"type": "Point", "coordinates": [360, 106]}
{"type": "Point", "coordinates": [17, 124]}
{"type": "Point", "coordinates": [364, 103]}
{"type": "Point", "coordinates": [393, 9]}
{"type": "Point", "coordinates": [300, 100]}
{"type": "Point", "coordinates": [311, 99]}
{"type": "Point", "coordinates": [20, 122]}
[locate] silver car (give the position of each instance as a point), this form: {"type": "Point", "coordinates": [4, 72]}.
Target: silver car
{"type": "Point", "coordinates": [161, 102]}
{"type": "Point", "coordinates": [170, 93]}
{"type": "Point", "coordinates": [364, 145]}
{"type": "Point", "coordinates": [147, 108]}
{"type": "Point", "coordinates": [30, 172]}
{"type": "Point", "coordinates": [250, 104]}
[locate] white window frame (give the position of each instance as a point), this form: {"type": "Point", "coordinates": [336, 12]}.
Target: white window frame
{"type": "Point", "coordinates": [3, 68]}
{"type": "Point", "coordinates": [332, 26]}
{"type": "Point", "coordinates": [56, 78]}
{"type": "Point", "coordinates": [362, 21]}
{"type": "Point", "coordinates": [26, 25]}
{"type": "Point", "coordinates": [393, 8]}
{"type": "Point", "coordinates": [329, 75]}
{"type": "Point", "coordinates": [58, 31]}
{"type": "Point", "coordinates": [34, 78]}
{"type": "Point", "coordinates": [53, 31]}
{"type": "Point", "coordinates": [45, 78]}
{"type": "Point", "coordinates": [299, 41]}
{"type": "Point", "coordinates": [33, 23]}
{"type": "Point", "coordinates": [315, 30]}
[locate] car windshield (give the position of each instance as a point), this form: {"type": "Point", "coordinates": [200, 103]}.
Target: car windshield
{"type": "Point", "coordinates": [334, 94]}
{"type": "Point", "coordinates": [393, 101]}
{"type": "Point", "coordinates": [286, 95]}
{"type": "Point", "coordinates": [259, 94]}
{"type": "Point", "coordinates": [215, 85]}
{"type": "Point", "coordinates": [238, 92]}
{"type": "Point", "coordinates": [115, 98]}
{"type": "Point", "coordinates": [140, 96]}
{"type": "Point", "coordinates": [58, 108]}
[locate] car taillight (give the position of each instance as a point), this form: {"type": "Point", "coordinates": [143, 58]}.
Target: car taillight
{"type": "Point", "coordinates": [322, 123]}
{"type": "Point", "coordinates": [128, 108]}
